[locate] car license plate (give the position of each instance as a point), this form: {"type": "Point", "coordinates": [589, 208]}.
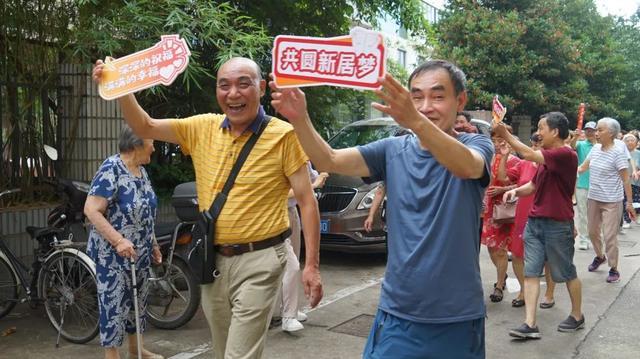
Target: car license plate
{"type": "Point", "coordinates": [324, 226]}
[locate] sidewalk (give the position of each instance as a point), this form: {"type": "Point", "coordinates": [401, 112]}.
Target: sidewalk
{"type": "Point", "coordinates": [339, 327]}
{"type": "Point", "coordinates": [616, 334]}
{"type": "Point", "coordinates": [612, 313]}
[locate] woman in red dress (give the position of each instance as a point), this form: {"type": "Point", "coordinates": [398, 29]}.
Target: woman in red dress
{"type": "Point", "coordinates": [497, 236]}
{"type": "Point", "coordinates": [522, 174]}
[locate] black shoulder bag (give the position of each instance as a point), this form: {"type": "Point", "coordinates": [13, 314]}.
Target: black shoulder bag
{"type": "Point", "coordinates": [202, 255]}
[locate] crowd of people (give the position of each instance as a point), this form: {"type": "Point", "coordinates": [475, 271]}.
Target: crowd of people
{"type": "Point", "coordinates": [441, 173]}
{"type": "Point", "coordinates": [603, 172]}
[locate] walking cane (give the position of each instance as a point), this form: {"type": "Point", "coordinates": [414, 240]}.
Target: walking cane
{"type": "Point", "coordinates": [134, 282]}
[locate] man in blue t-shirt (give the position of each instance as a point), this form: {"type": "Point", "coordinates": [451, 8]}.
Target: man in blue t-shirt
{"type": "Point", "coordinates": [431, 302]}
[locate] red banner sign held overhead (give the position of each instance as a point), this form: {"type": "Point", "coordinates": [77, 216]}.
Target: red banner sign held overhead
{"type": "Point", "coordinates": [355, 61]}
{"type": "Point", "coordinates": [160, 64]}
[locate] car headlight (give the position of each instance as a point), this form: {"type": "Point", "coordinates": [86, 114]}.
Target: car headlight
{"type": "Point", "coordinates": [367, 200]}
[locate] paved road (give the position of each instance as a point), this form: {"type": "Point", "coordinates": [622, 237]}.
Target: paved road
{"type": "Point", "coordinates": [351, 295]}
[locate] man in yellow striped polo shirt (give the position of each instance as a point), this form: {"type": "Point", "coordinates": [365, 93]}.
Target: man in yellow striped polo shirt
{"type": "Point", "coordinates": [238, 304]}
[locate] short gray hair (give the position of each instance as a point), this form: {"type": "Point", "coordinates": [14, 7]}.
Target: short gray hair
{"type": "Point", "coordinates": [612, 124]}
{"type": "Point", "coordinates": [128, 140]}
{"type": "Point", "coordinates": [456, 75]}
{"type": "Point", "coordinates": [630, 136]}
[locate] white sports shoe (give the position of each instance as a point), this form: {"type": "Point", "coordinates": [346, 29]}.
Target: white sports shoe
{"type": "Point", "coordinates": [626, 225]}
{"type": "Point", "coordinates": [584, 244]}
{"type": "Point", "coordinates": [301, 317]}
{"type": "Point", "coordinates": [291, 325]}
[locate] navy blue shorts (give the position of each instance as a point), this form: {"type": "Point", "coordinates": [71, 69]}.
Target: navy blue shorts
{"type": "Point", "coordinates": [393, 337]}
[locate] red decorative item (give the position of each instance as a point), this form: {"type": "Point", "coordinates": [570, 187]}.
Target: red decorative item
{"type": "Point", "coordinates": [580, 116]}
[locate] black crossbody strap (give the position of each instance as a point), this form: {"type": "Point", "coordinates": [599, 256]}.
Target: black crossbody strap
{"type": "Point", "coordinates": [221, 198]}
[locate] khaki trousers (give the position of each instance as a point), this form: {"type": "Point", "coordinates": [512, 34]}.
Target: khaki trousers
{"type": "Point", "coordinates": [238, 304]}
{"type": "Point", "coordinates": [606, 217]}
{"type": "Point", "coordinates": [581, 223]}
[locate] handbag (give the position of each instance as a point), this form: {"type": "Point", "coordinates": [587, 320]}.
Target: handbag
{"type": "Point", "coordinates": [504, 213]}
{"type": "Point", "coordinates": [201, 255]}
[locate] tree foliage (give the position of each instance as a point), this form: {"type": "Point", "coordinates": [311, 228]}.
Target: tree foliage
{"type": "Point", "coordinates": [214, 32]}
{"type": "Point", "coordinates": [37, 36]}
{"type": "Point", "coordinates": [539, 56]}
{"type": "Point", "coordinates": [327, 19]}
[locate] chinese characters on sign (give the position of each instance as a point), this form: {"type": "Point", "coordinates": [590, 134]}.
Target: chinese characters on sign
{"type": "Point", "coordinates": [160, 64]}
{"type": "Point", "coordinates": [346, 61]}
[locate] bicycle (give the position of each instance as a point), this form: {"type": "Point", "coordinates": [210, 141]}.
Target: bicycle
{"type": "Point", "coordinates": [61, 276]}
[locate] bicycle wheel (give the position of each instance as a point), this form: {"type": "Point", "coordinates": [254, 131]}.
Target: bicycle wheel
{"type": "Point", "coordinates": [8, 288]}
{"type": "Point", "coordinates": [68, 288]}
{"type": "Point", "coordinates": [172, 302]}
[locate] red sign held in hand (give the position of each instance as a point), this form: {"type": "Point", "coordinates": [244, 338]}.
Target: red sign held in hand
{"type": "Point", "coordinates": [355, 61]}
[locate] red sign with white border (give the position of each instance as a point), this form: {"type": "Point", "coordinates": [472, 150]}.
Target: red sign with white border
{"type": "Point", "coordinates": [309, 61]}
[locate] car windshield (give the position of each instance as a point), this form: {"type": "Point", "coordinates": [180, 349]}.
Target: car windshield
{"type": "Point", "coordinates": [361, 135]}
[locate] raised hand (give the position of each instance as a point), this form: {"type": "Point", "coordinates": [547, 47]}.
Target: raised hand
{"type": "Point", "coordinates": [500, 129]}
{"type": "Point", "coordinates": [398, 103]}
{"type": "Point", "coordinates": [505, 149]}
{"type": "Point", "coordinates": [97, 71]}
{"type": "Point", "coordinates": [289, 102]}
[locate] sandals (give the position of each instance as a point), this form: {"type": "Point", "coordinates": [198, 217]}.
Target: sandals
{"type": "Point", "coordinates": [545, 305]}
{"type": "Point", "coordinates": [517, 303]}
{"type": "Point", "coordinates": [497, 294]}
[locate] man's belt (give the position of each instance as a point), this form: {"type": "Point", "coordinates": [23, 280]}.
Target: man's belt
{"type": "Point", "coordinates": [230, 250]}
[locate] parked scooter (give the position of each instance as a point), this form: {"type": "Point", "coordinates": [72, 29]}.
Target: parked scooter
{"type": "Point", "coordinates": [69, 215]}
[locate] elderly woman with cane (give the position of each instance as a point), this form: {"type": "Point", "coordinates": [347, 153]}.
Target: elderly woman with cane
{"type": "Point", "coordinates": [121, 206]}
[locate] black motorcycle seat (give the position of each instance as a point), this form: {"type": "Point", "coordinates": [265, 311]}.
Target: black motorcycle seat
{"type": "Point", "coordinates": [164, 229]}
{"type": "Point", "coordinates": [39, 232]}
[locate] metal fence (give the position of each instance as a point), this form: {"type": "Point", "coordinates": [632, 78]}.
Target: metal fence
{"type": "Point", "coordinates": [90, 126]}
{"type": "Point", "coordinates": [66, 113]}
{"type": "Point", "coordinates": [29, 119]}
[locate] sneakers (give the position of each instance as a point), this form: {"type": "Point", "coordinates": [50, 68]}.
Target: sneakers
{"type": "Point", "coordinates": [275, 322]}
{"type": "Point", "coordinates": [570, 324]}
{"type": "Point", "coordinates": [291, 325]}
{"type": "Point", "coordinates": [626, 225]}
{"type": "Point", "coordinates": [525, 332]}
{"type": "Point", "coordinates": [301, 317]}
{"type": "Point", "coordinates": [584, 244]}
{"type": "Point", "coordinates": [614, 276]}
{"type": "Point", "coordinates": [597, 261]}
